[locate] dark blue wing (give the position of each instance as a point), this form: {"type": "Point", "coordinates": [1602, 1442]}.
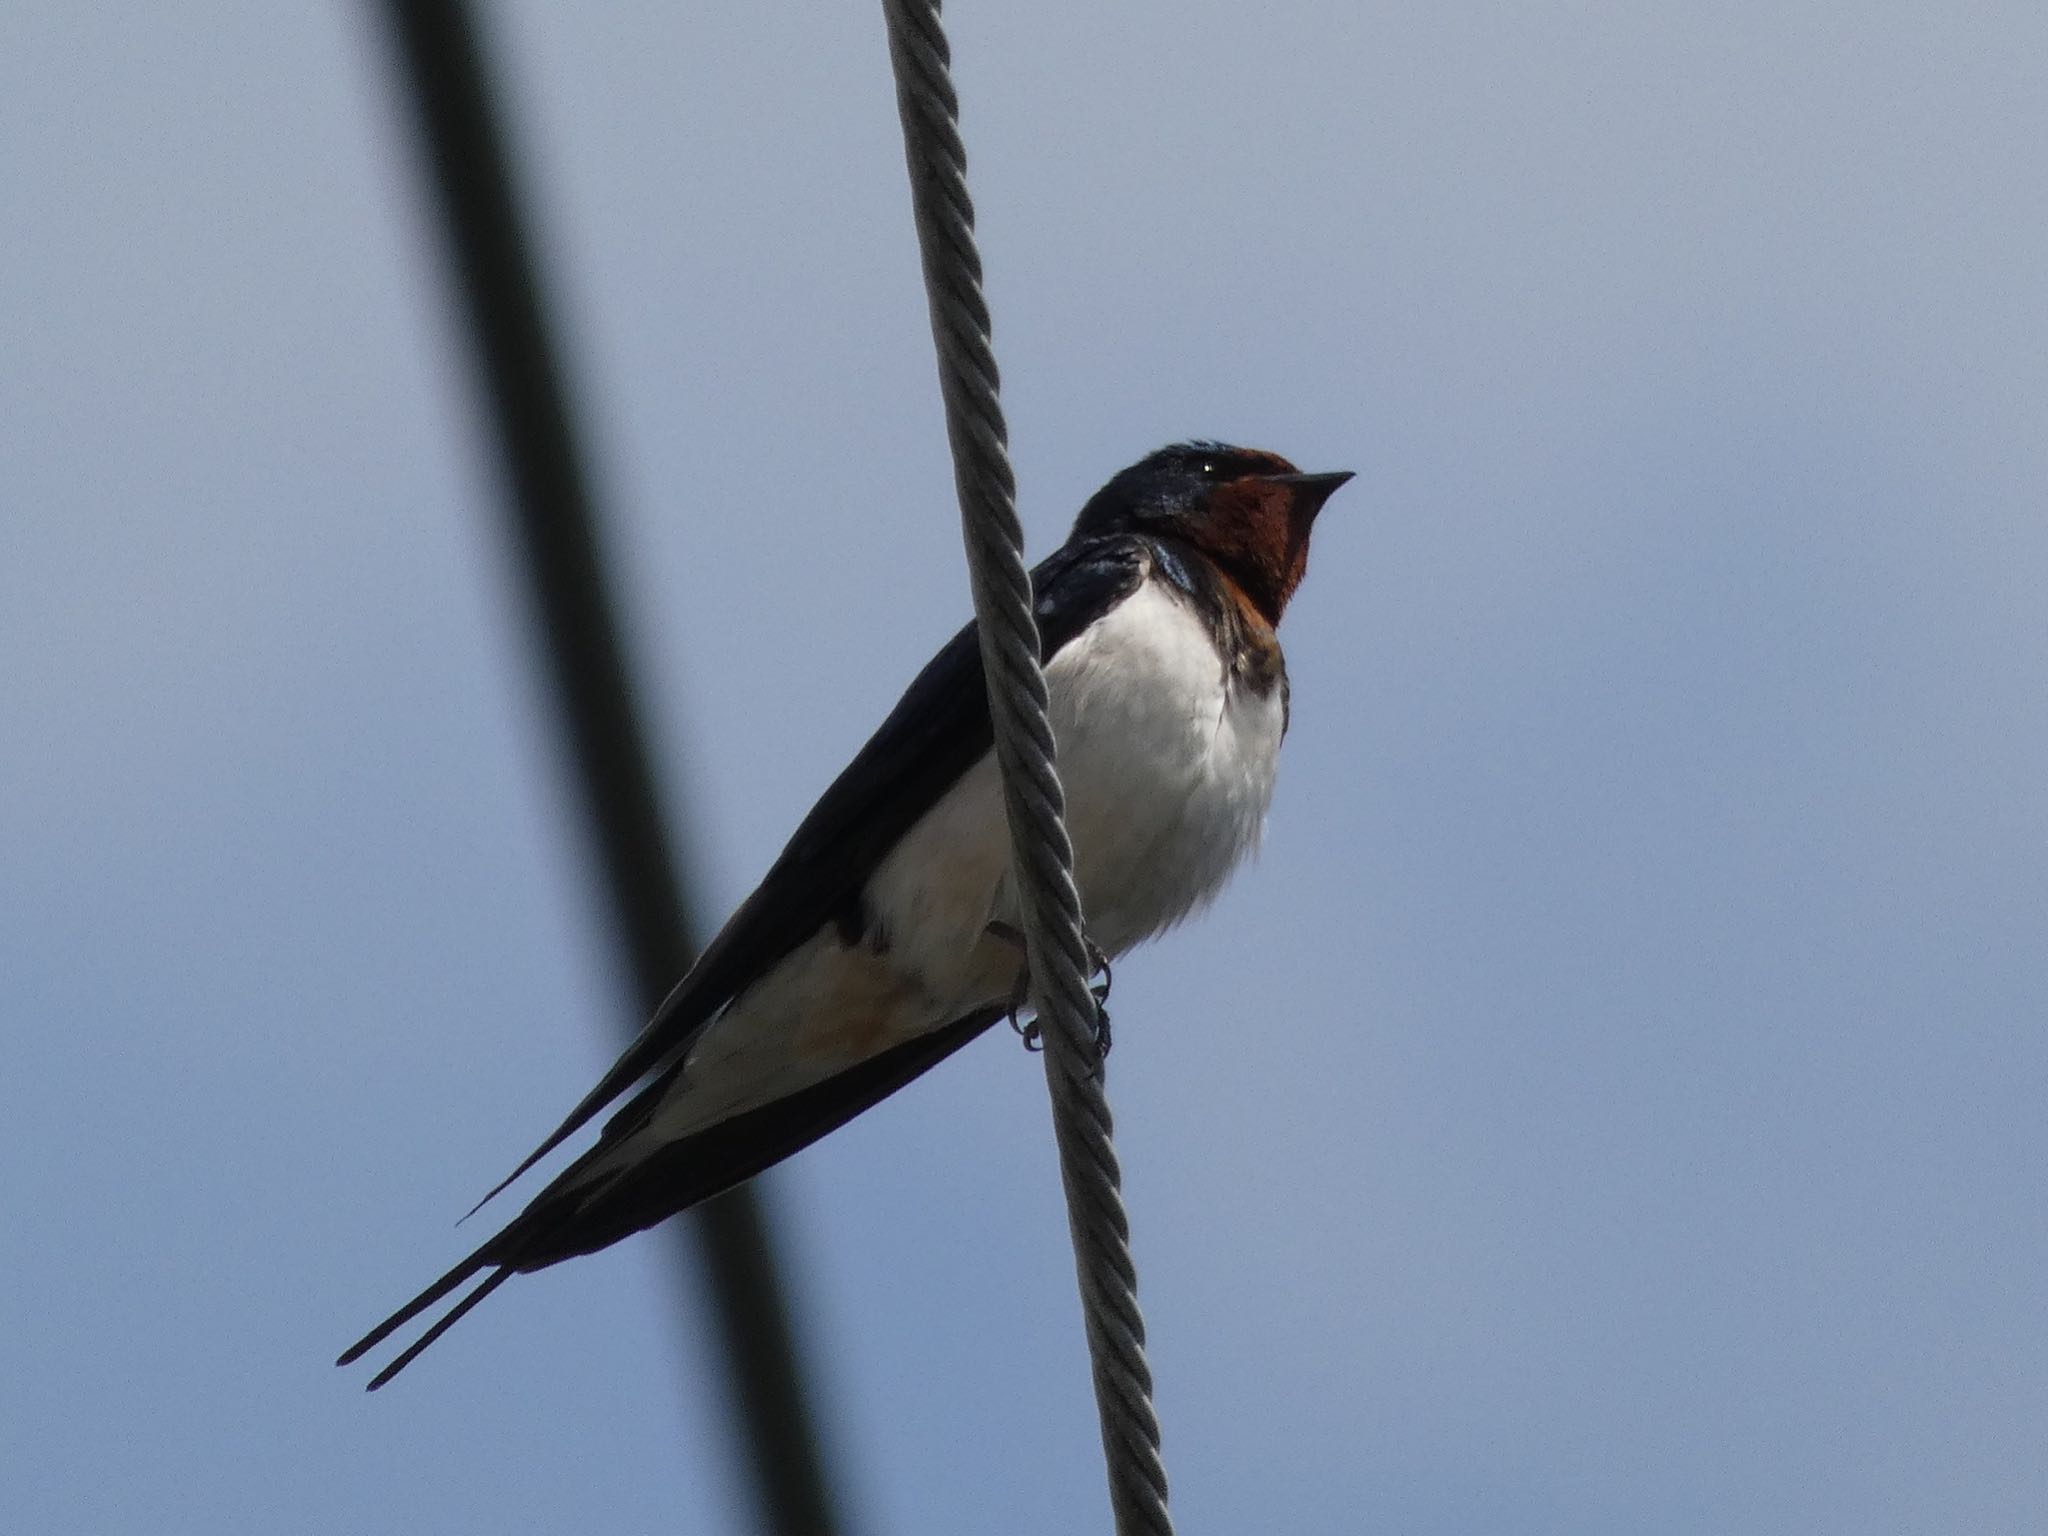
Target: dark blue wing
{"type": "Point", "coordinates": [937, 731]}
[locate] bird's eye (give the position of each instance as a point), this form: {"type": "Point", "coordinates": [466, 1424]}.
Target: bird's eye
{"type": "Point", "coordinates": [1209, 469]}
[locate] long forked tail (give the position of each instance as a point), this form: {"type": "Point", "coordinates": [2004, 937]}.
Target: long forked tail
{"type": "Point", "coordinates": [618, 1188]}
{"type": "Point", "coordinates": [449, 1319]}
{"type": "Point", "coordinates": [412, 1309]}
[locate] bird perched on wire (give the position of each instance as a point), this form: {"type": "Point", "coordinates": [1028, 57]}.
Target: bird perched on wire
{"type": "Point", "coordinates": [885, 937]}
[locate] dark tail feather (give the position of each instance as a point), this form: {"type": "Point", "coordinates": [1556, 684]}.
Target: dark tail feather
{"type": "Point", "coordinates": [416, 1306]}
{"type": "Point", "coordinates": [584, 1210]}
{"type": "Point", "coordinates": [640, 1058]}
{"type": "Point", "coordinates": [674, 1024]}
{"type": "Point", "coordinates": [449, 1319]}
{"type": "Point", "coordinates": [512, 1178]}
{"type": "Point", "coordinates": [595, 1201]}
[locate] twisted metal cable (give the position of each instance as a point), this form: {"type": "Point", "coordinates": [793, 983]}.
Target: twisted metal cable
{"type": "Point", "coordinates": [1055, 949]}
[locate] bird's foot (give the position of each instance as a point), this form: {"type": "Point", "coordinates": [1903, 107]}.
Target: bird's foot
{"type": "Point", "coordinates": [1098, 964]}
{"type": "Point", "coordinates": [1028, 1031]}
{"type": "Point", "coordinates": [1025, 1030]}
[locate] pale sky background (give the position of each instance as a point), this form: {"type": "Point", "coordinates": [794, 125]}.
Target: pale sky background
{"type": "Point", "coordinates": [1612, 1104]}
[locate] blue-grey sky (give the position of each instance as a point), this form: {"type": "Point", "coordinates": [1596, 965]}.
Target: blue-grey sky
{"type": "Point", "coordinates": [1612, 1103]}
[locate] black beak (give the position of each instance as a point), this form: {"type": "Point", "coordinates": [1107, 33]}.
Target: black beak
{"type": "Point", "coordinates": [1311, 491]}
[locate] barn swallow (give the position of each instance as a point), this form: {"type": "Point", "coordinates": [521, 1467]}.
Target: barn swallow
{"type": "Point", "coordinates": [884, 938]}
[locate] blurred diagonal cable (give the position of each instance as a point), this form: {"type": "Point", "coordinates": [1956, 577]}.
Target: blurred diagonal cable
{"type": "Point", "coordinates": [554, 522]}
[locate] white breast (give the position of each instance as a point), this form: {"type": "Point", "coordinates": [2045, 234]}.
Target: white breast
{"type": "Point", "coordinates": [1168, 767]}
{"type": "Point", "coordinates": [1168, 764]}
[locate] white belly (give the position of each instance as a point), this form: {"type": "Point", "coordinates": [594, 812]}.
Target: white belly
{"type": "Point", "coordinates": [1168, 769]}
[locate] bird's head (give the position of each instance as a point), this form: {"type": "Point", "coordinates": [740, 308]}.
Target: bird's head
{"type": "Point", "coordinates": [1248, 510]}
